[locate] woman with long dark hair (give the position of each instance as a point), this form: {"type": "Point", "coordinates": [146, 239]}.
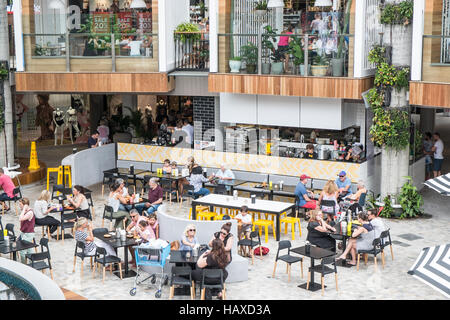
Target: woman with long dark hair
{"type": "Point", "coordinates": [216, 258]}
{"type": "Point", "coordinates": [227, 238]}
{"type": "Point", "coordinates": [79, 202]}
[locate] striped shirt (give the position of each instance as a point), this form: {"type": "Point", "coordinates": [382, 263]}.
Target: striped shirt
{"type": "Point", "coordinates": [89, 246]}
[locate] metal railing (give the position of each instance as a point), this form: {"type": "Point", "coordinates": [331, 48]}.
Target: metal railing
{"type": "Point", "coordinates": [191, 51]}
{"type": "Point", "coordinates": [324, 55]}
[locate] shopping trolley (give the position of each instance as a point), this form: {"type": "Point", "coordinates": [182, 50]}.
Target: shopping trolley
{"type": "Point", "coordinates": [152, 257]}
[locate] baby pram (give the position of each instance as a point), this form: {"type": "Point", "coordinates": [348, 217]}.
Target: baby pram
{"type": "Point", "coordinates": [146, 255]}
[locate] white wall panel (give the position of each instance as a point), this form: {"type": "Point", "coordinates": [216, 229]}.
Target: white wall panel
{"type": "Point", "coordinates": [238, 108]}
{"type": "Point", "coordinates": [280, 111]}
{"type": "Point", "coordinates": [321, 113]}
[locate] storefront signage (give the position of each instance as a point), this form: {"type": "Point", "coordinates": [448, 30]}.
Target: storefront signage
{"type": "Point", "coordinates": [101, 23]}
{"type": "Point", "coordinates": [145, 22]}
{"type": "Point", "coordinates": [125, 21]}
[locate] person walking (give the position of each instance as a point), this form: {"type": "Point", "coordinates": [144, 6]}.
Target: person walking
{"type": "Point", "coordinates": [438, 149]}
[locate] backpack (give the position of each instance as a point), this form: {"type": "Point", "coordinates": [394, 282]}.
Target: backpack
{"type": "Point", "coordinates": [264, 251]}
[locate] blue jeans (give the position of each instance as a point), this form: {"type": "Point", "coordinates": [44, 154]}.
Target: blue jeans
{"type": "Point", "coordinates": [143, 210]}
{"type": "Point", "coordinates": [4, 197]}
{"type": "Point", "coordinates": [202, 192]}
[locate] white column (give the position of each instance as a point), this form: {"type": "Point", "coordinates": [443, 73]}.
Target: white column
{"type": "Point", "coordinates": [162, 39]}
{"type": "Point", "coordinates": [417, 40]}
{"type": "Point", "coordinates": [18, 36]}
{"type": "Point", "coordinates": [213, 39]}
{"type": "Point", "coordinates": [360, 15]}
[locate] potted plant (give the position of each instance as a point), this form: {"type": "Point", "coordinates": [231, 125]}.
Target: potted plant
{"type": "Point", "coordinates": [4, 72]}
{"type": "Point", "coordinates": [277, 62]}
{"type": "Point", "coordinates": [186, 31]}
{"type": "Point", "coordinates": [337, 63]}
{"type": "Point", "coordinates": [261, 7]}
{"type": "Point", "coordinates": [235, 64]}
{"type": "Point", "coordinates": [268, 40]}
{"type": "Point", "coordinates": [296, 49]}
{"type": "Point", "coordinates": [410, 200]}
{"type": "Point", "coordinates": [249, 54]}
{"type": "Point", "coordinates": [320, 66]}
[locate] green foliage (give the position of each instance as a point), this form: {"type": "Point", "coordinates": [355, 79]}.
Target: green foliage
{"type": "Point", "coordinates": [296, 49]}
{"type": "Point", "coordinates": [387, 209]}
{"type": "Point", "coordinates": [277, 56]}
{"type": "Point", "coordinates": [418, 143]}
{"type": "Point", "coordinates": [410, 200]}
{"type": "Point", "coordinates": [187, 31]}
{"type": "Point", "coordinates": [4, 73]}
{"type": "Point", "coordinates": [135, 121]}
{"type": "Point", "coordinates": [268, 38]}
{"type": "Point", "coordinates": [236, 59]}
{"type": "Point", "coordinates": [397, 13]}
{"type": "Point", "coordinates": [375, 99]}
{"type": "Point", "coordinates": [377, 55]}
{"type": "Point", "coordinates": [391, 128]}
{"type": "Point", "coordinates": [249, 53]}
{"type": "Point", "coordinates": [38, 50]}
{"type": "Point", "coordinates": [2, 111]}
{"type": "Point", "coordinates": [261, 5]}
{"type": "Point", "coordinates": [390, 76]}
{"type": "Point", "coordinates": [344, 29]}
{"type": "Point", "coordinates": [320, 60]}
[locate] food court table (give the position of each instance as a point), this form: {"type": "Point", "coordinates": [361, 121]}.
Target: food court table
{"type": "Point", "coordinates": [16, 246]}
{"type": "Point", "coordinates": [179, 256]}
{"type": "Point", "coordinates": [339, 235]}
{"type": "Point", "coordinates": [116, 243]}
{"type": "Point", "coordinates": [264, 206]}
{"type": "Point", "coordinates": [227, 183]}
{"type": "Point", "coordinates": [314, 253]}
{"type": "Point", "coordinates": [286, 191]}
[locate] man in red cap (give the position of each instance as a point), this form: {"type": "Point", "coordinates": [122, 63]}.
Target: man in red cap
{"type": "Point", "coordinates": [304, 195]}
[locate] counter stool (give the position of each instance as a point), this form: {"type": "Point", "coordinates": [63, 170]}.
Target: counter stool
{"type": "Point", "coordinates": [206, 215]}
{"type": "Point", "coordinates": [265, 224]}
{"type": "Point", "coordinates": [198, 209]}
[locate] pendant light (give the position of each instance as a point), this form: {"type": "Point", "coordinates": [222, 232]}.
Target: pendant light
{"type": "Point", "coordinates": [56, 4]}
{"type": "Point", "coordinates": [323, 3]}
{"type": "Point", "coordinates": [138, 4]}
{"type": "Point", "coordinates": [275, 4]}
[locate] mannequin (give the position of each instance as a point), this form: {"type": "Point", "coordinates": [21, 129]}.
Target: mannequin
{"type": "Point", "coordinates": [59, 121]}
{"type": "Point", "coordinates": [72, 123]}
{"type": "Point", "coordinates": [44, 117]}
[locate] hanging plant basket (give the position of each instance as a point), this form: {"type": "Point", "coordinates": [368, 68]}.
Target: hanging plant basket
{"type": "Point", "coordinates": [4, 70]}
{"type": "Point", "coordinates": [260, 13]}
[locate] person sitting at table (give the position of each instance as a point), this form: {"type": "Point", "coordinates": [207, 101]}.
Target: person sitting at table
{"type": "Point", "coordinates": [362, 238]}
{"type": "Point", "coordinates": [310, 154]}
{"type": "Point", "coordinates": [8, 189]}
{"type": "Point", "coordinates": [83, 233]}
{"type": "Point", "coordinates": [216, 258]}
{"type": "Point", "coordinates": [166, 167]}
{"type": "Point", "coordinates": [377, 223]}
{"type": "Point", "coordinates": [153, 223]}
{"type": "Point", "coordinates": [329, 192]}
{"type": "Point", "coordinates": [197, 179]}
{"type": "Point", "coordinates": [155, 198]}
{"type": "Point", "coordinates": [125, 195]}
{"type": "Point", "coordinates": [93, 140]}
{"type": "Point", "coordinates": [79, 201]}
{"type": "Point", "coordinates": [188, 239]}
{"type": "Point", "coordinates": [245, 222]}
{"type": "Point", "coordinates": [224, 175]}
{"type": "Point", "coordinates": [42, 209]}
{"type": "Point", "coordinates": [354, 152]}
{"type": "Point", "coordinates": [115, 199]}
{"type": "Point", "coordinates": [360, 189]}
{"type": "Point", "coordinates": [144, 231]}
{"type": "Point", "coordinates": [27, 221]}
{"type": "Point", "coordinates": [318, 231]}
{"type": "Point", "coordinates": [304, 195]}
{"type": "Point", "coordinates": [344, 185]}
{"type": "Point", "coordinates": [227, 238]}
{"type": "Point", "coordinates": [135, 218]}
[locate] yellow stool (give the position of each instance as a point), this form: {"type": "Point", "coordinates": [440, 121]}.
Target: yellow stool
{"type": "Point", "coordinates": [56, 170]}
{"type": "Point", "coordinates": [265, 223]}
{"type": "Point", "coordinates": [198, 209]}
{"type": "Point", "coordinates": [206, 215]}
{"type": "Point", "coordinates": [67, 174]}
{"type": "Point", "coordinates": [219, 216]}
{"type": "Point", "coordinates": [254, 214]}
{"type": "Point", "coordinates": [292, 221]}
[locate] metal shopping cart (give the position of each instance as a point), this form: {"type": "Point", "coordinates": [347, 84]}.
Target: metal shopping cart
{"type": "Point", "coordinates": [151, 257]}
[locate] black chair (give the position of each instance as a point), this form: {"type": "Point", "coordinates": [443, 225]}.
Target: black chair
{"type": "Point", "coordinates": [1, 226]}
{"type": "Point", "coordinates": [377, 249]}
{"type": "Point", "coordinates": [220, 189]}
{"type": "Point", "coordinates": [166, 185]}
{"type": "Point", "coordinates": [181, 276]}
{"type": "Point", "coordinates": [11, 234]}
{"type": "Point", "coordinates": [145, 185]}
{"type": "Point", "coordinates": [329, 204]}
{"type": "Point", "coordinates": [251, 243]}
{"type": "Point", "coordinates": [91, 204]}
{"type": "Point", "coordinates": [102, 258]}
{"type": "Point", "coordinates": [362, 199]}
{"type": "Point", "coordinates": [17, 196]}
{"type": "Point", "coordinates": [282, 245]}
{"type": "Point", "coordinates": [108, 213]}
{"type": "Point", "coordinates": [67, 222]}
{"type": "Point", "coordinates": [323, 269]}
{"type": "Point", "coordinates": [55, 189]}
{"type": "Point", "coordinates": [99, 231]}
{"type": "Point", "coordinates": [386, 242]}
{"type": "Point", "coordinates": [226, 217]}
{"type": "Point", "coordinates": [38, 259]}
{"type": "Point", "coordinates": [188, 191]}
{"type": "Point", "coordinates": [212, 279]}
{"type": "Point", "coordinates": [79, 252]}
{"type": "Point", "coordinates": [108, 179]}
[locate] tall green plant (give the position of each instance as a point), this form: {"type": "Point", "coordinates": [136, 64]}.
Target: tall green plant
{"type": "Point", "coordinates": [410, 200]}
{"type": "Point", "coordinates": [296, 49]}
{"type": "Point", "coordinates": [135, 121]}
{"type": "Point", "coordinates": [344, 28]}
{"type": "Point", "coordinates": [387, 208]}
{"type": "Point", "coordinates": [249, 53]}
{"type": "Point", "coordinates": [397, 13]}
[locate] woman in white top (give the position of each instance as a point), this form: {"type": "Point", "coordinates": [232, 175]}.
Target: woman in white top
{"type": "Point", "coordinates": [329, 192]}
{"type": "Point", "coordinates": [115, 199]}
{"type": "Point", "coordinates": [79, 202]}
{"type": "Point", "coordinates": [42, 208]}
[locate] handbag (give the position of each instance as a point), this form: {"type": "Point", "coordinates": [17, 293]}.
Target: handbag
{"type": "Point", "coordinates": [264, 250]}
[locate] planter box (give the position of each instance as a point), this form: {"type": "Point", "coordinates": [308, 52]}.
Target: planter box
{"type": "Point", "coordinates": [319, 71]}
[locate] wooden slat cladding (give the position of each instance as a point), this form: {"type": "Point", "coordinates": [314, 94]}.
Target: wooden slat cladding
{"type": "Point", "coordinates": [429, 94]}
{"type": "Point", "coordinates": [323, 87]}
{"type": "Point", "coordinates": [94, 82]}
